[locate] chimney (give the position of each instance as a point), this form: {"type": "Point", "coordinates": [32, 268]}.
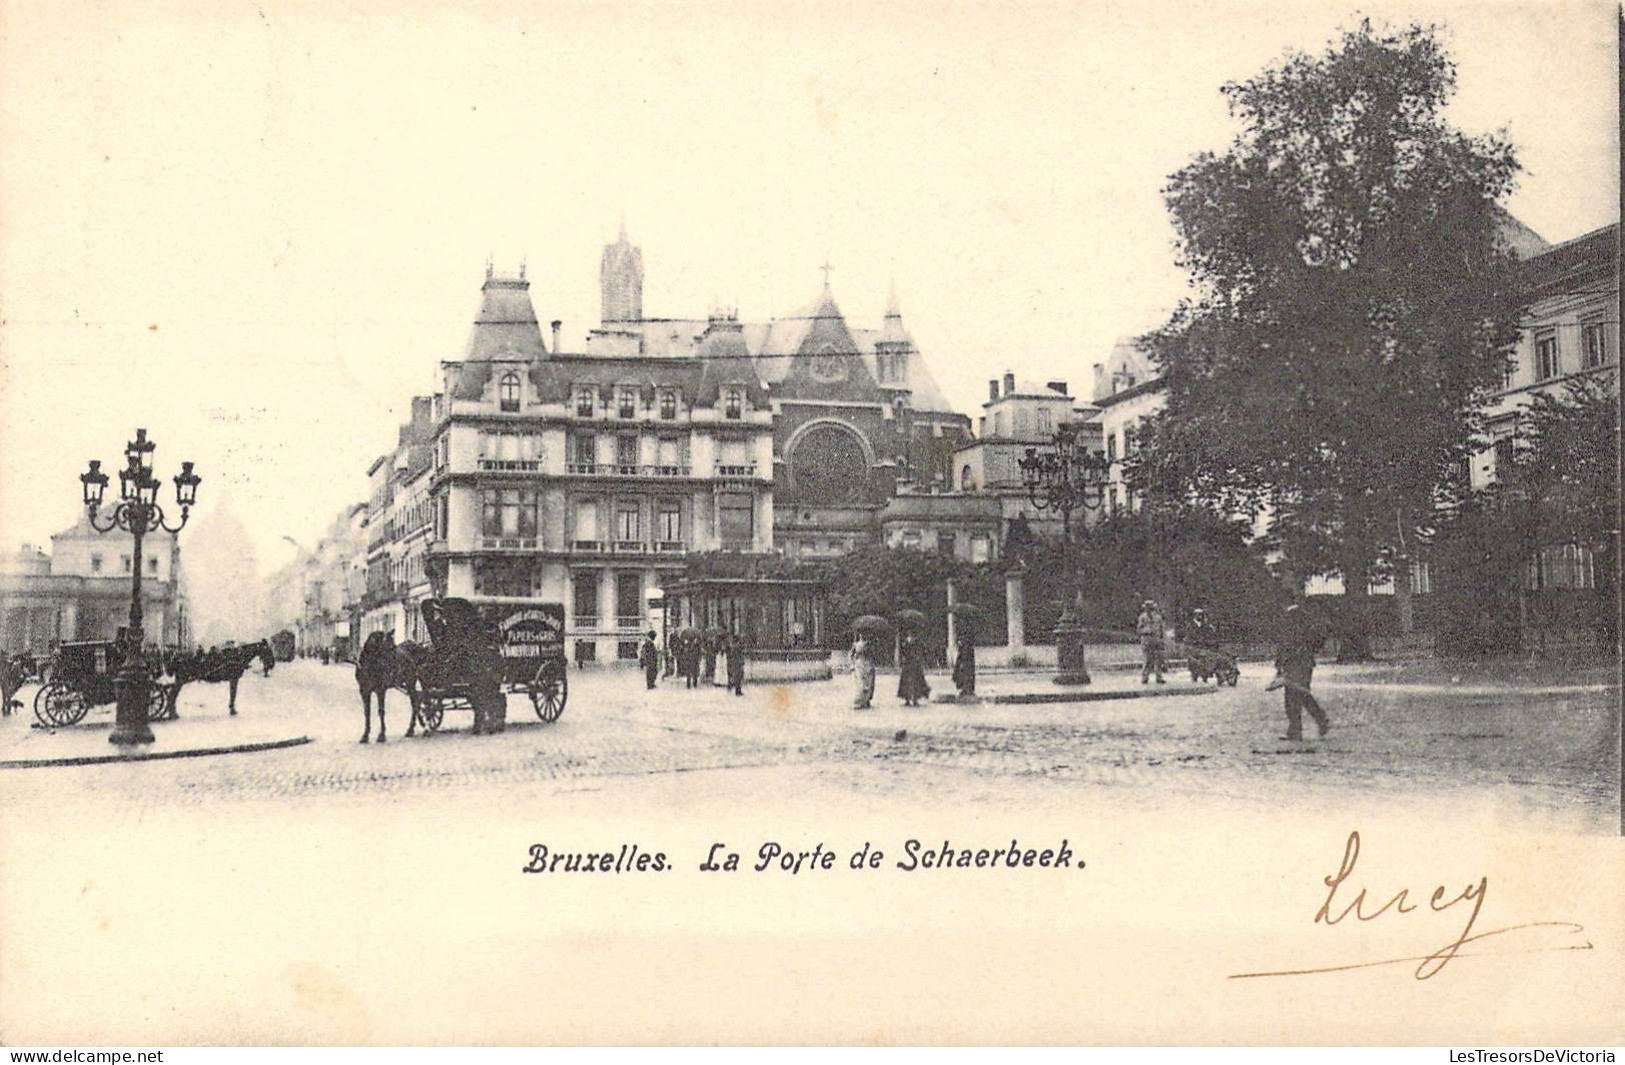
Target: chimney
{"type": "Point", "coordinates": [1009, 383]}
{"type": "Point", "coordinates": [992, 391]}
{"type": "Point", "coordinates": [557, 325]}
{"type": "Point", "coordinates": [1058, 387]}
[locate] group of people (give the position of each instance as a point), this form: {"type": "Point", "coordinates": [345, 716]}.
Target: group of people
{"type": "Point", "coordinates": [694, 657]}
{"type": "Point", "coordinates": [911, 686]}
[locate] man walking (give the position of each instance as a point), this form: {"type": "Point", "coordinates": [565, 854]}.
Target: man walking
{"type": "Point", "coordinates": [735, 650]}
{"type": "Point", "coordinates": [1295, 665]}
{"type": "Point", "coordinates": [1149, 626]}
{"type": "Point", "coordinates": [649, 659]}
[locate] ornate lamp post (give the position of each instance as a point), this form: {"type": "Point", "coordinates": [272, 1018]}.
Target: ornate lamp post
{"type": "Point", "coordinates": [137, 512]}
{"type": "Point", "coordinates": [1069, 477]}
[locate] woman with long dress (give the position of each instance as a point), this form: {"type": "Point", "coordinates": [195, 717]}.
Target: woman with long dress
{"type": "Point", "coordinates": [911, 685]}
{"type": "Point", "coordinates": [863, 665]}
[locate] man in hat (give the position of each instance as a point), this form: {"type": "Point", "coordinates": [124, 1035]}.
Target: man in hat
{"type": "Point", "coordinates": [649, 659]}
{"type": "Point", "coordinates": [1149, 626]}
{"type": "Point", "coordinates": [1300, 640]}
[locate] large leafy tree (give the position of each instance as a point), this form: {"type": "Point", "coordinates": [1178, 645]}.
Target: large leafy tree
{"type": "Point", "coordinates": [1354, 302]}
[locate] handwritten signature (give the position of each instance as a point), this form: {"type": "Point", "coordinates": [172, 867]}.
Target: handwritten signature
{"type": "Point", "coordinates": [1429, 965]}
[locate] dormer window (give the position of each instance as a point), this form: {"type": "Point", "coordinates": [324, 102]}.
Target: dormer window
{"type": "Point", "coordinates": [733, 404]}
{"type": "Point", "coordinates": [584, 402]}
{"type": "Point", "coordinates": [508, 391]}
{"type": "Point", "coordinates": [668, 405]}
{"type": "Point", "coordinates": [628, 406]}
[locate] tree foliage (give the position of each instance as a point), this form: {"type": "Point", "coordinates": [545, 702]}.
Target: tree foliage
{"type": "Point", "coordinates": [1354, 303]}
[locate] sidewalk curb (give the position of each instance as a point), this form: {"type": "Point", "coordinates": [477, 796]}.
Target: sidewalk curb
{"type": "Point", "coordinates": [1024, 698]}
{"type": "Point", "coordinates": [152, 756]}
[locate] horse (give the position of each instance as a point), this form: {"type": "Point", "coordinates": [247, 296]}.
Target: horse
{"type": "Point", "coordinates": [380, 666]}
{"type": "Point", "coordinates": [226, 663]}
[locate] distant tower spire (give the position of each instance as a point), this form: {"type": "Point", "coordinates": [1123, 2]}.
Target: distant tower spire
{"type": "Point", "coordinates": [826, 268]}
{"type": "Point", "coordinates": [620, 280]}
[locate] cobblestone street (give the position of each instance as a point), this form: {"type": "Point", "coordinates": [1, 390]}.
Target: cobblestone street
{"type": "Point", "coordinates": [1550, 743]}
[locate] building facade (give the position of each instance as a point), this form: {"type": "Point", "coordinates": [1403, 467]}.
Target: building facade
{"type": "Point", "coordinates": [81, 590]}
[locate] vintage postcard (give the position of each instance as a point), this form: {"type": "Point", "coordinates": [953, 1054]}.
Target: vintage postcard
{"type": "Point", "coordinates": [760, 523]}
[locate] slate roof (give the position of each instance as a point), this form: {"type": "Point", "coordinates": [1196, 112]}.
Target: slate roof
{"type": "Point", "coordinates": [1589, 256]}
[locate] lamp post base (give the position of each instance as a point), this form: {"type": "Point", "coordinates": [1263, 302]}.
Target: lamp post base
{"type": "Point", "coordinates": [1070, 656]}
{"type": "Point", "coordinates": [130, 726]}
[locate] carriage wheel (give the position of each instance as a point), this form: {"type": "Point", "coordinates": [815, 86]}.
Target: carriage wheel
{"type": "Point", "coordinates": [159, 707]}
{"type": "Point", "coordinates": [431, 712]}
{"type": "Point", "coordinates": [57, 705]}
{"type": "Point", "coordinates": [549, 692]}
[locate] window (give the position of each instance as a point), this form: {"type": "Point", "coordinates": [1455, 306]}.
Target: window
{"type": "Point", "coordinates": [626, 522]}
{"type": "Point", "coordinates": [584, 402]}
{"type": "Point", "coordinates": [733, 404]}
{"type": "Point", "coordinates": [586, 599]}
{"type": "Point", "coordinates": [442, 452]}
{"type": "Point", "coordinates": [586, 524]}
{"type": "Point", "coordinates": [629, 601]}
{"type": "Point", "coordinates": [444, 517]}
{"type": "Point", "coordinates": [1594, 341]}
{"type": "Point", "coordinates": [586, 450]}
{"type": "Point", "coordinates": [966, 481]}
{"type": "Point", "coordinates": [1503, 454]}
{"type": "Point", "coordinates": [1128, 440]}
{"type": "Point", "coordinates": [586, 652]}
{"type": "Point", "coordinates": [626, 453]}
{"type": "Point", "coordinates": [628, 406]}
{"type": "Point", "coordinates": [152, 566]}
{"type": "Point", "coordinates": [1547, 361]}
{"type": "Point", "coordinates": [1421, 579]}
{"type": "Point", "coordinates": [735, 513]}
{"type": "Point", "coordinates": [946, 543]}
{"type": "Point", "coordinates": [1111, 447]}
{"type": "Point", "coordinates": [1511, 375]}
{"type": "Point", "coordinates": [509, 391]}
{"type": "Point", "coordinates": [668, 405]}
{"type": "Point", "coordinates": [1570, 566]}
{"type": "Point", "coordinates": [508, 512]}
{"type": "Point", "coordinates": [95, 563]}
{"type": "Point", "coordinates": [1044, 421]}
{"type": "Point", "coordinates": [671, 522]}
{"type": "Point", "coordinates": [911, 539]}
{"type": "Point", "coordinates": [127, 564]}
{"type": "Point", "coordinates": [981, 548]}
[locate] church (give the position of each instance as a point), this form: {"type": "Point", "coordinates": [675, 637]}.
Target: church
{"type": "Point", "coordinates": [858, 419]}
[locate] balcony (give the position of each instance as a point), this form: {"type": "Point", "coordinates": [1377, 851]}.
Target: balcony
{"type": "Point", "coordinates": [619, 469]}
{"type": "Point", "coordinates": [633, 622]}
{"type": "Point", "coordinates": [586, 621]}
{"type": "Point", "coordinates": [671, 547]}
{"type": "Point", "coordinates": [511, 465]}
{"type": "Point", "coordinates": [747, 469]}
{"type": "Point", "coordinates": [587, 546]}
{"type": "Point", "coordinates": [623, 547]}
{"type": "Point", "coordinates": [508, 543]}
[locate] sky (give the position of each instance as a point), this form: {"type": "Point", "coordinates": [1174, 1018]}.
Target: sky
{"type": "Point", "coordinates": [255, 229]}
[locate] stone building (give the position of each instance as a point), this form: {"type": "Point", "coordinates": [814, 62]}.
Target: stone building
{"type": "Point", "coordinates": [81, 590]}
{"type": "Point", "coordinates": [587, 479]}
{"type": "Point", "coordinates": [1019, 415]}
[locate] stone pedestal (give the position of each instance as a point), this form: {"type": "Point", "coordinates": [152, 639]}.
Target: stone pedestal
{"type": "Point", "coordinates": [1015, 608]}
{"type": "Point", "coordinates": [1070, 650]}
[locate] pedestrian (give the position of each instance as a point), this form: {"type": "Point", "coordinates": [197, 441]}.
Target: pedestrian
{"type": "Point", "coordinates": [735, 650]}
{"type": "Point", "coordinates": [911, 685]}
{"type": "Point", "coordinates": [863, 664]}
{"type": "Point", "coordinates": [965, 665]}
{"type": "Point", "coordinates": [11, 682]}
{"type": "Point", "coordinates": [710, 646]}
{"type": "Point", "coordinates": [1300, 640]}
{"type": "Point", "coordinates": [671, 657]}
{"type": "Point", "coordinates": [688, 658]}
{"type": "Point", "coordinates": [649, 658]}
{"type": "Point", "coordinates": [1149, 626]}
{"type": "Point", "coordinates": [1200, 641]}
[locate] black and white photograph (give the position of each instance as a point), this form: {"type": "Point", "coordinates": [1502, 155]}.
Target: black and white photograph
{"type": "Point", "coordinates": [761, 523]}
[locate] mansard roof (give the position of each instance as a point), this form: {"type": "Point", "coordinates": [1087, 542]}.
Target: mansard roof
{"type": "Point", "coordinates": [505, 326]}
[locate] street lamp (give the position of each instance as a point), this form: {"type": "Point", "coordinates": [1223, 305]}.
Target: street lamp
{"type": "Point", "coordinates": [1066, 478]}
{"type": "Point", "coordinates": [137, 512]}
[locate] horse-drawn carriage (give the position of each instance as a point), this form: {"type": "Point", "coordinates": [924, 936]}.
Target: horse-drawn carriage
{"type": "Point", "coordinates": [480, 650]}
{"type": "Point", "coordinates": [81, 676]}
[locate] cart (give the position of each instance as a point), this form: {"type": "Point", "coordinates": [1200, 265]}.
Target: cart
{"type": "Point", "coordinates": [81, 676]}
{"type": "Point", "coordinates": [482, 649]}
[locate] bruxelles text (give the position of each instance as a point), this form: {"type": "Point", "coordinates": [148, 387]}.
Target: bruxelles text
{"type": "Point", "coordinates": [772, 856]}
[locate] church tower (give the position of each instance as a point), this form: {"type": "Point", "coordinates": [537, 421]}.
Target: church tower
{"type": "Point", "coordinates": [620, 279]}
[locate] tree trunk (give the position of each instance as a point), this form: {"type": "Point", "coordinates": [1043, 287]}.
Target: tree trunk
{"type": "Point", "coordinates": [1354, 634]}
